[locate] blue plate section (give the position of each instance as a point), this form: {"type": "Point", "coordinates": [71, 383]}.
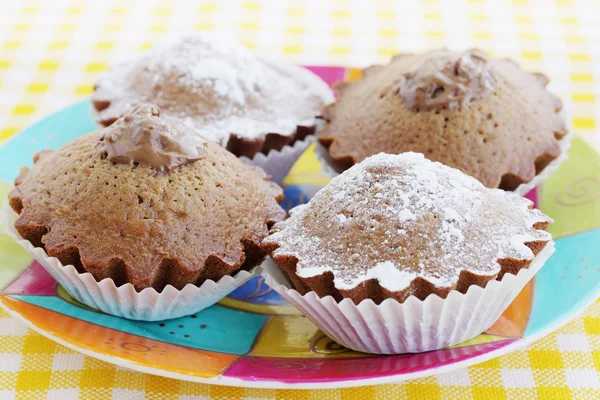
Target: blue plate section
{"type": "Point", "coordinates": [50, 133]}
{"type": "Point", "coordinates": [216, 328]}
{"type": "Point", "coordinates": [570, 279]}
{"type": "Point", "coordinates": [258, 292]}
{"type": "Point", "coordinates": [296, 195]}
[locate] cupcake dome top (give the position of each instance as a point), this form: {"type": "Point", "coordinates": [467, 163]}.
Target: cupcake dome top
{"type": "Point", "coordinates": [221, 89]}
{"type": "Point", "coordinates": [480, 114]}
{"type": "Point", "coordinates": [405, 225]}
{"type": "Point", "coordinates": [198, 214]}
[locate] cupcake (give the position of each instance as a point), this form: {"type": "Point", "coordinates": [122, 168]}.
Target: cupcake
{"type": "Point", "coordinates": [400, 241]}
{"type": "Point", "coordinates": [144, 208]}
{"type": "Point", "coordinates": [482, 115]}
{"type": "Point", "coordinates": [247, 104]}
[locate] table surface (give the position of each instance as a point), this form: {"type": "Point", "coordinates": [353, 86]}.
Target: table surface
{"type": "Point", "coordinates": [52, 52]}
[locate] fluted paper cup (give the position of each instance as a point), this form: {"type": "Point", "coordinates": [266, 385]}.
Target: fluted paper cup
{"type": "Point", "coordinates": [412, 326]}
{"type": "Point", "coordinates": [124, 301]}
{"type": "Point", "coordinates": [278, 163]}
{"type": "Point", "coordinates": [565, 145]}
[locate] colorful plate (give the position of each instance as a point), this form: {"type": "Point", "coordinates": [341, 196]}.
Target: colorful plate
{"type": "Point", "coordinates": [253, 338]}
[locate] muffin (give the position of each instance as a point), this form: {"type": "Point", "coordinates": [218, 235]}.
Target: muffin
{"type": "Point", "coordinates": [145, 203]}
{"type": "Point", "coordinates": [245, 103]}
{"type": "Point", "coordinates": [399, 232]}
{"type": "Point", "coordinates": [482, 115]}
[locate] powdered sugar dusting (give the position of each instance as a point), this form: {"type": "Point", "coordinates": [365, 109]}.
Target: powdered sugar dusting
{"type": "Point", "coordinates": [218, 88]}
{"type": "Point", "coordinates": [397, 217]}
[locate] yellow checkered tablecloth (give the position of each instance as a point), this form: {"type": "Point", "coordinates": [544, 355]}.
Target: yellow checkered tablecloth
{"type": "Point", "coordinates": [51, 53]}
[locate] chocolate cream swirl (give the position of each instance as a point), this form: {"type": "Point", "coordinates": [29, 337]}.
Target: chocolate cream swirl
{"type": "Point", "coordinates": [144, 137]}
{"type": "Point", "coordinates": [447, 82]}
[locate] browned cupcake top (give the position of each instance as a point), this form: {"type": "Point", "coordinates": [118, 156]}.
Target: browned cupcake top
{"type": "Point", "coordinates": [133, 223]}
{"type": "Point", "coordinates": [397, 219]}
{"type": "Point", "coordinates": [220, 89]}
{"type": "Point", "coordinates": [482, 115]}
{"type": "Point", "coordinates": [143, 138]}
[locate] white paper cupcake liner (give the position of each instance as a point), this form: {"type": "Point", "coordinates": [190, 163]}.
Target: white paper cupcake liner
{"type": "Point", "coordinates": [565, 145]}
{"type": "Point", "coordinates": [327, 167]}
{"type": "Point", "coordinates": [415, 325]}
{"type": "Point", "coordinates": [330, 170]}
{"type": "Point", "coordinates": [278, 163]}
{"type": "Point", "coordinates": [125, 301]}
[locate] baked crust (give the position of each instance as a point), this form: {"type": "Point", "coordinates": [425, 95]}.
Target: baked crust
{"type": "Point", "coordinates": [395, 226]}
{"type": "Point", "coordinates": [502, 136]}
{"type": "Point", "coordinates": [134, 224]}
{"type": "Point", "coordinates": [247, 104]}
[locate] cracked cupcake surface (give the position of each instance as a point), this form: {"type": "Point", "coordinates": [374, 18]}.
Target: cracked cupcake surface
{"type": "Point", "coordinates": [480, 114]}
{"type": "Point", "coordinates": [400, 225]}
{"type": "Point", "coordinates": [243, 102]}
{"type": "Point", "coordinates": [195, 212]}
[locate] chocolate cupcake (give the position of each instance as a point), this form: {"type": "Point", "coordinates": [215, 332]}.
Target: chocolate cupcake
{"type": "Point", "coordinates": [145, 204]}
{"type": "Point", "coordinates": [397, 232]}
{"type": "Point", "coordinates": [247, 104]}
{"type": "Point", "coordinates": [480, 114]}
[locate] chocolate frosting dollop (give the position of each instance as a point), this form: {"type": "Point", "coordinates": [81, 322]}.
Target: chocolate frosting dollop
{"type": "Point", "coordinates": [447, 81]}
{"type": "Point", "coordinates": [146, 138]}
